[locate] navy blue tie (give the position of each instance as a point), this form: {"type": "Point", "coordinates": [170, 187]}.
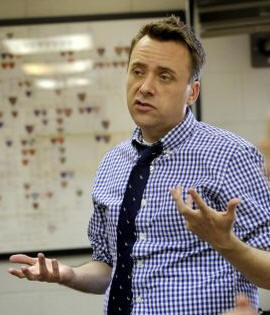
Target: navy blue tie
{"type": "Point", "coordinates": [121, 299]}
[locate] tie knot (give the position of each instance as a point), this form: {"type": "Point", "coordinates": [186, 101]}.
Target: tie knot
{"type": "Point", "coordinates": [148, 153]}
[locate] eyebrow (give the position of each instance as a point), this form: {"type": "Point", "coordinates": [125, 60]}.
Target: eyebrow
{"type": "Point", "coordinates": [160, 68]}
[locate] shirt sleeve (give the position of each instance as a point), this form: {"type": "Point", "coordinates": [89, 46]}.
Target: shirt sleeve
{"type": "Point", "coordinates": [97, 234]}
{"type": "Point", "coordinates": [245, 179]}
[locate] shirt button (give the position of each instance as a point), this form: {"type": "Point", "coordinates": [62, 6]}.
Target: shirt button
{"type": "Point", "coordinates": [144, 202]}
{"type": "Point", "coordinates": [142, 236]}
{"type": "Point", "coordinates": [140, 262]}
{"type": "Point", "coordinates": [138, 299]}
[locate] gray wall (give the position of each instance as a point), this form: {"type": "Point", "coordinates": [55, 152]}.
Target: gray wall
{"type": "Point", "coordinates": [235, 95]}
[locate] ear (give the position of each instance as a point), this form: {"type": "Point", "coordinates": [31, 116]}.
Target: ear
{"type": "Point", "coordinates": [193, 92]}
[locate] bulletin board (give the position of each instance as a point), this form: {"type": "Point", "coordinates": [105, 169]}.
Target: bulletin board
{"type": "Point", "coordinates": [61, 109]}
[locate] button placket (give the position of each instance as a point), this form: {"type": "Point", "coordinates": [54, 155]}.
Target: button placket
{"type": "Point", "coordinates": [127, 235]}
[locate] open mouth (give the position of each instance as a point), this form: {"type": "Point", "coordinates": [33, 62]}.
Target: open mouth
{"type": "Point", "coordinates": [145, 105]}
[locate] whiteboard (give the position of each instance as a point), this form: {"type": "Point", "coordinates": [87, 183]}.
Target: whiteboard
{"type": "Point", "coordinates": [55, 128]}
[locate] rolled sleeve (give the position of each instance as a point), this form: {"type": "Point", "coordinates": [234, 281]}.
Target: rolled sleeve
{"type": "Point", "coordinates": [245, 179]}
{"type": "Point", "coordinates": [97, 234]}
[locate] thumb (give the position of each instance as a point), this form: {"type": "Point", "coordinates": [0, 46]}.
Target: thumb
{"type": "Point", "coordinates": [22, 259]}
{"type": "Point", "coordinates": [231, 208]}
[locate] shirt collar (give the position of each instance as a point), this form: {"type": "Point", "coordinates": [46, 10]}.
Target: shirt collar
{"type": "Point", "coordinates": [174, 137]}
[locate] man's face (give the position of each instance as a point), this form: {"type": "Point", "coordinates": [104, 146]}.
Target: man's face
{"type": "Point", "coordinates": [158, 86]}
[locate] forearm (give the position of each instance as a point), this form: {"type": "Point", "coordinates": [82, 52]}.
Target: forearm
{"type": "Point", "coordinates": [253, 263]}
{"type": "Point", "coordinates": [93, 277]}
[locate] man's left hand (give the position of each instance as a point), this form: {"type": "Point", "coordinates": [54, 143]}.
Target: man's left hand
{"type": "Point", "coordinates": [207, 223]}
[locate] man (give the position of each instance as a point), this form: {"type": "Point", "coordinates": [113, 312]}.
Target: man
{"type": "Point", "coordinates": [161, 267]}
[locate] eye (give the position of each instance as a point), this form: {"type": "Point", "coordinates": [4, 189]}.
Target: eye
{"type": "Point", "coordinates": [166, 77]}
{"type": "Point", "coordinates": [138, 72]}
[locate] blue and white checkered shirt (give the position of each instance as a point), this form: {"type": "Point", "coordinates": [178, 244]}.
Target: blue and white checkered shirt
{"type": "Point", "coordinates": [174, 272]}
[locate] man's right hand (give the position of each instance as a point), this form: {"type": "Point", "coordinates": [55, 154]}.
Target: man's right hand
{"type": "Point", "coordinates": [91, 277]}
{"type": "Point", "coordinates": [41, 268]}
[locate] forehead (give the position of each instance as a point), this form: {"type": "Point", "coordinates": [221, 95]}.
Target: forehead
{"type": "Point", "coordinates": [170, 54]}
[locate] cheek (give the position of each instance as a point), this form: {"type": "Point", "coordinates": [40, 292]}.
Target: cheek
{"type": "Point", "coordinates": [178, 96]}
{"type": "Point", "coordinates": [129, 86]}
{"type": "Point", "coordinates": [174, 101]}
{"type": "Point", "coordinates": [131, 89]}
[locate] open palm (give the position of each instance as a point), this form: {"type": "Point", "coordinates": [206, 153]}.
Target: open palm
{"type": "Point", "coordinates": [41, 269]}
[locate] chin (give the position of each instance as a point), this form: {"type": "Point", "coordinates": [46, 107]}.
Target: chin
{"type": "Point", "coordinates": [141, 121]}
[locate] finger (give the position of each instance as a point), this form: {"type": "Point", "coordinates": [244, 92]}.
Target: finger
{"type": "Point", "coordinates": [55, 268]}
{"type": "Point", "coordinates": [198, 199]}
{"type": "Point", "coordinates": [28, 274]}
{"type": "Point", "coordinates": [43, 271]}
{"type": "Point", "coordinates": [231, 207]}
{"type": "Point", "coordinates": [177, 195]}
{"type": "Point", "coordinates": [189, 201]}
{"type": "Point", "coordinates": [22, 259]}
{"type": "Point", "coordinates": [16, 273]}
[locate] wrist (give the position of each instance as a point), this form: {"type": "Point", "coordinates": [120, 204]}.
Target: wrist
{"type": "Point", "coordinates": [68, 278]}
{"type": "Point", "coordinates": [228, 244]}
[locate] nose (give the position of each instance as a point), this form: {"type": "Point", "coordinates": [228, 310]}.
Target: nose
{"type": "Point", "coordinates": [147, 87]}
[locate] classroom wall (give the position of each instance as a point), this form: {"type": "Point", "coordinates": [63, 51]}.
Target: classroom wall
{"type": "Point", "coordinates": [34, 298]}
{"type": "Point", "coordinates": [235, 96]}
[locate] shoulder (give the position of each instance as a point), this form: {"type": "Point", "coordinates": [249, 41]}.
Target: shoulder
{"type": "Point", "coordinates": [118, 152]}
{"type": "Point", "coordinates": [218, 135]}
{"type": "Point", "coordinates": [225, 142]}
{"type": "Point", "coordinates": [115, 157]}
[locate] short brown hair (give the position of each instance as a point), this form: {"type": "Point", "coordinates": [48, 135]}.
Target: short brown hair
{"type": "Point", "coordinates": [172, 29]}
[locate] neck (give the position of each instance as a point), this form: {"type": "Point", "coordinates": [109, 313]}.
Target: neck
{"type": "Point", "coordinates": [147, 142]}
{"type": "Point", "coordinates": [153, 135]}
